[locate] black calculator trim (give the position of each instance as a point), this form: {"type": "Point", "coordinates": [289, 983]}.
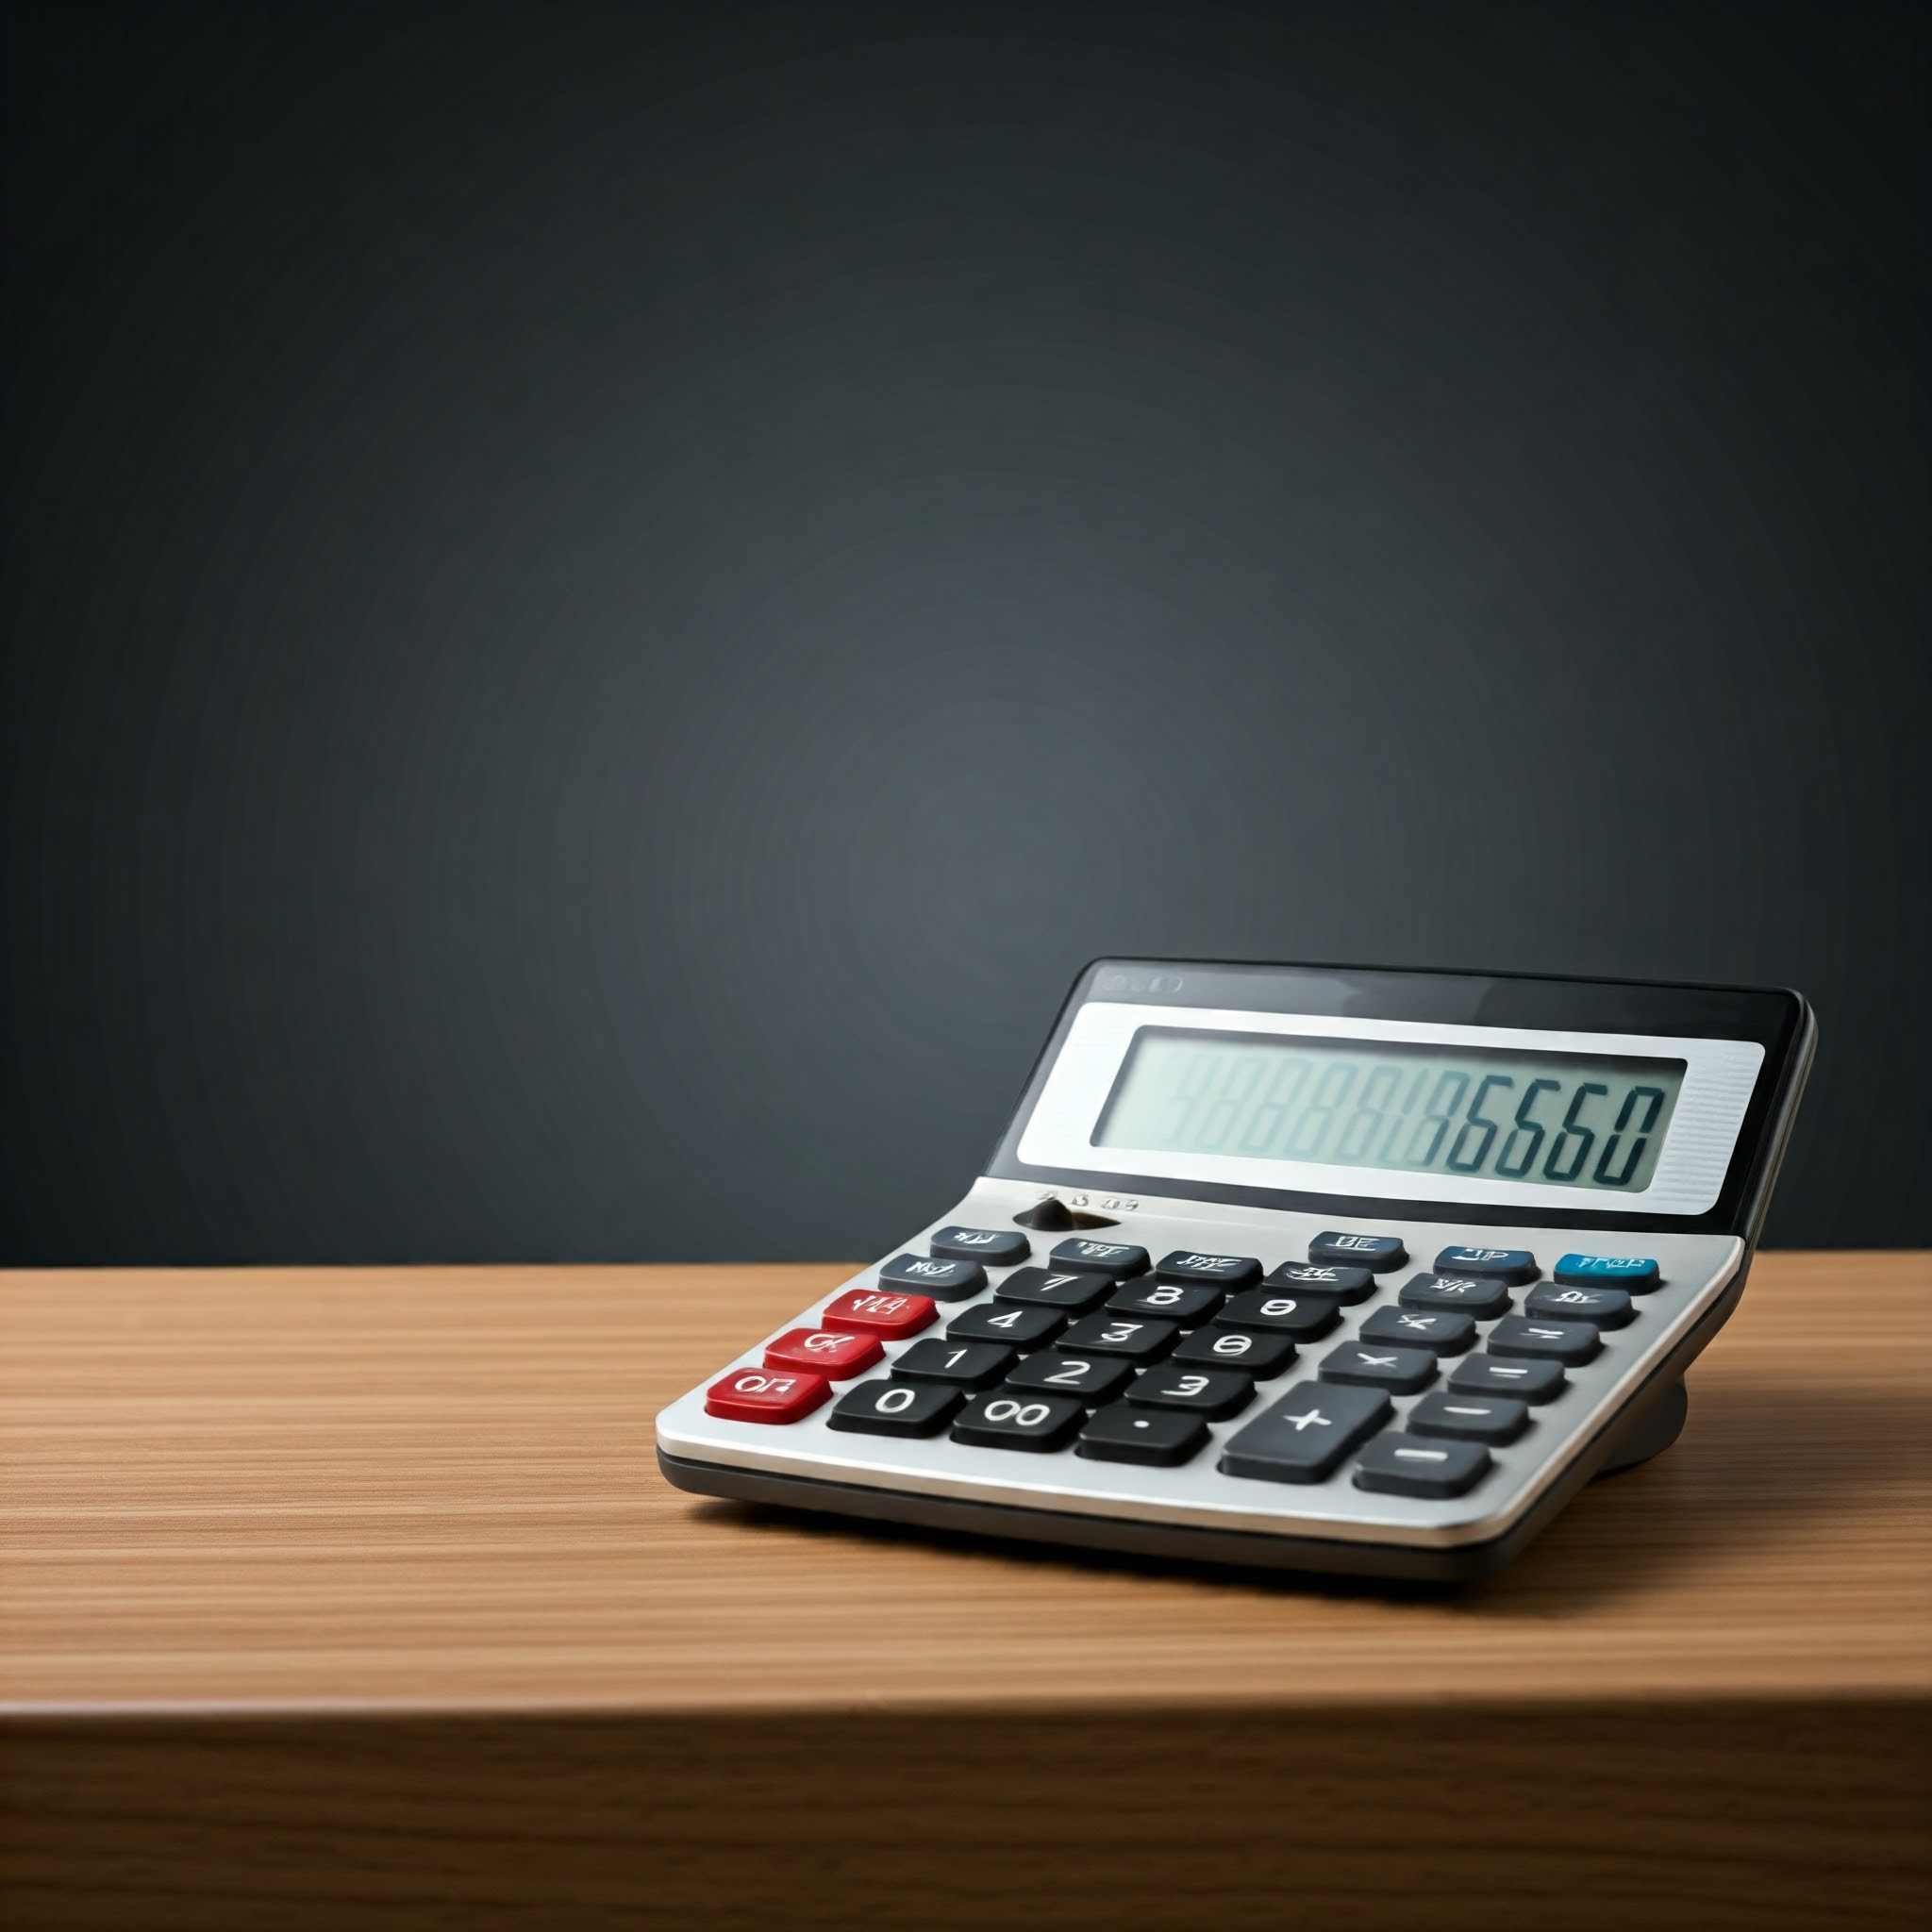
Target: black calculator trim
{"type": "Point", "coordinates": [1778, 1018]}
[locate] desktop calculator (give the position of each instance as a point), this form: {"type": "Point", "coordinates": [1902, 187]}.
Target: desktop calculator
{"type": "Point", "coordinates": [1326, 1268]}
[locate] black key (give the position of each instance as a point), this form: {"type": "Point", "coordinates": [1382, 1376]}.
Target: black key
{"type": "Point", "coordinates": [962, 1365]}
{"type": "Point", "coordinates": [1439, 1329]}
{"type": "Point", "coordinates": [1125, 1434]}
{"type": "Point", "coordinates": [1302, 1438]}
{"type": "Point", "coordinates": [1211, 1271]}
{"type": "Point", "coordinates": [1215, 1392]}
{"type": "Point", "coordinates": [1485, 1300]}
{"type": "Point", "coordinates": [1115, 1259]}
{"type": "Point", "coordinates": [1633, 1273]}
{"type": "Point", "coordinates": [991, 1247]}
{"type": "Point", "coordinates": [1481, 1418]}
{"type": "Point", "coordinates": [1378, 1252]}
{"type": "Point", "coordinates": [1173, 1301]}
{"type": "Point", "coordinates": [1018, 1421]}
{"type": "Point", "coordinates": [1260, 1356]}
{"type": "Point", "coordinates": [1602, 1308]}
{"type": "Point", "coordinates": [1400, 1465]}
{"type": "Point", "coordinates": [1303, 1317]}
{"type": "Point", "coordinates": [1054, 1371]}
{"type": "Point", "coordinates": [1322, 1278]}
{"type": "Point", "coordinates": [945, 1281]}
{"type": "Point", "coordinates": [1013, 1322]}
{"type": "Point", "coordinates": [1569, 1342]}
{"type": "Point", "coordinates": [1133, 1336]}
{"type": "Point", "coordinates": [1055, 1288]}
{"type": "Point", "coordinates": [894, 1408]}
{"type": "Point", "coordinates": [1404, 1369]}
{"type": "Point", "coordinates": [1493, 1264]}
{"type": "Point", "coordinates": [1529, 1381]}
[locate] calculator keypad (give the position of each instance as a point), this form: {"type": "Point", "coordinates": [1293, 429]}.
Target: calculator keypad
{"type": "Point", "coordinates": [1433, 1379]}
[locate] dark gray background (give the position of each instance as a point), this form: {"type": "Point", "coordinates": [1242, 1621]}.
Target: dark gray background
{"type": "Point", "coordinates": [603, 604]}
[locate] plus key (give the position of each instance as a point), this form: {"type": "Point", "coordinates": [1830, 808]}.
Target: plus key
{"type": "Point", "coordinates": [1305, 1436]}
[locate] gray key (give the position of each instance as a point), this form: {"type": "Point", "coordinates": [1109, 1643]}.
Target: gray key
{"type": "Point", "coordinates": [1403, 1465]}
{"type": "Point", "coordinates": [1305, 1436]}
{"type": "Point", "coordinates": [1571, 1342]}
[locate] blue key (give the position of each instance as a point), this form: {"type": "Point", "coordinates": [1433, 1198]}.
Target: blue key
{"type": "Point", "coordinates": [1635, 1274]}
{"type": "Point", "coordinates": [1493, 1264]}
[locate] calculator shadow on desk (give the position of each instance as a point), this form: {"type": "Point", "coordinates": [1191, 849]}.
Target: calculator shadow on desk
{"type": "Point", "coordinates": [1340, 1269]}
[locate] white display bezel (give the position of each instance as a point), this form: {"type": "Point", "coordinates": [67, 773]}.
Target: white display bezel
{"type": "Point", "coordinates": [1719, 1078]}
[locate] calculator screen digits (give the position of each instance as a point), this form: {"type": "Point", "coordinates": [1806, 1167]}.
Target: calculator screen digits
{"type": "Point", "coordinates": [1568, 1120]}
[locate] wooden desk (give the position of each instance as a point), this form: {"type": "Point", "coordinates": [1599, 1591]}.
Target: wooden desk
{"type": "Point", "coordinates": [355, 1598]}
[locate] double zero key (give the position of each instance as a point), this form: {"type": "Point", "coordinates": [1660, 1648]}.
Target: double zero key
{"type": "Point", "coordinates": [1014, 1420]}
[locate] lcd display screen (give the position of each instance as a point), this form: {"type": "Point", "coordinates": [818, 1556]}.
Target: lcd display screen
{"type": "Point", "coordinates": [1549, 1119]}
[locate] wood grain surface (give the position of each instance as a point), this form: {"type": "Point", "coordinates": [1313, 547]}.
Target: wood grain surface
{"type": "Point", "coordinates": [360, 1587]}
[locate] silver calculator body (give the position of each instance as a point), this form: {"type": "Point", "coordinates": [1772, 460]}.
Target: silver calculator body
{"type": "Point", "coordinates": [1330, 1268]}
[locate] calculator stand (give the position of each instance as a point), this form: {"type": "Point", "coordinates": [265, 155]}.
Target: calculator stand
{"type": "Point", "coordinates": [1651, 1432]}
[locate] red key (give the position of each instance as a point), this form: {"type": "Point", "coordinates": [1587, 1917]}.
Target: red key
{"type": "Point", "coordinates": [759, 1396]}
{"type": "Point", "coordinates": [823, 1352]}
{"type": "Point", "coordinates": [874, 1311]}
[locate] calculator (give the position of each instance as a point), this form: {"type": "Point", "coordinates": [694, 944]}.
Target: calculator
{"type": "Point", "coordinates": [1343, 1269]}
